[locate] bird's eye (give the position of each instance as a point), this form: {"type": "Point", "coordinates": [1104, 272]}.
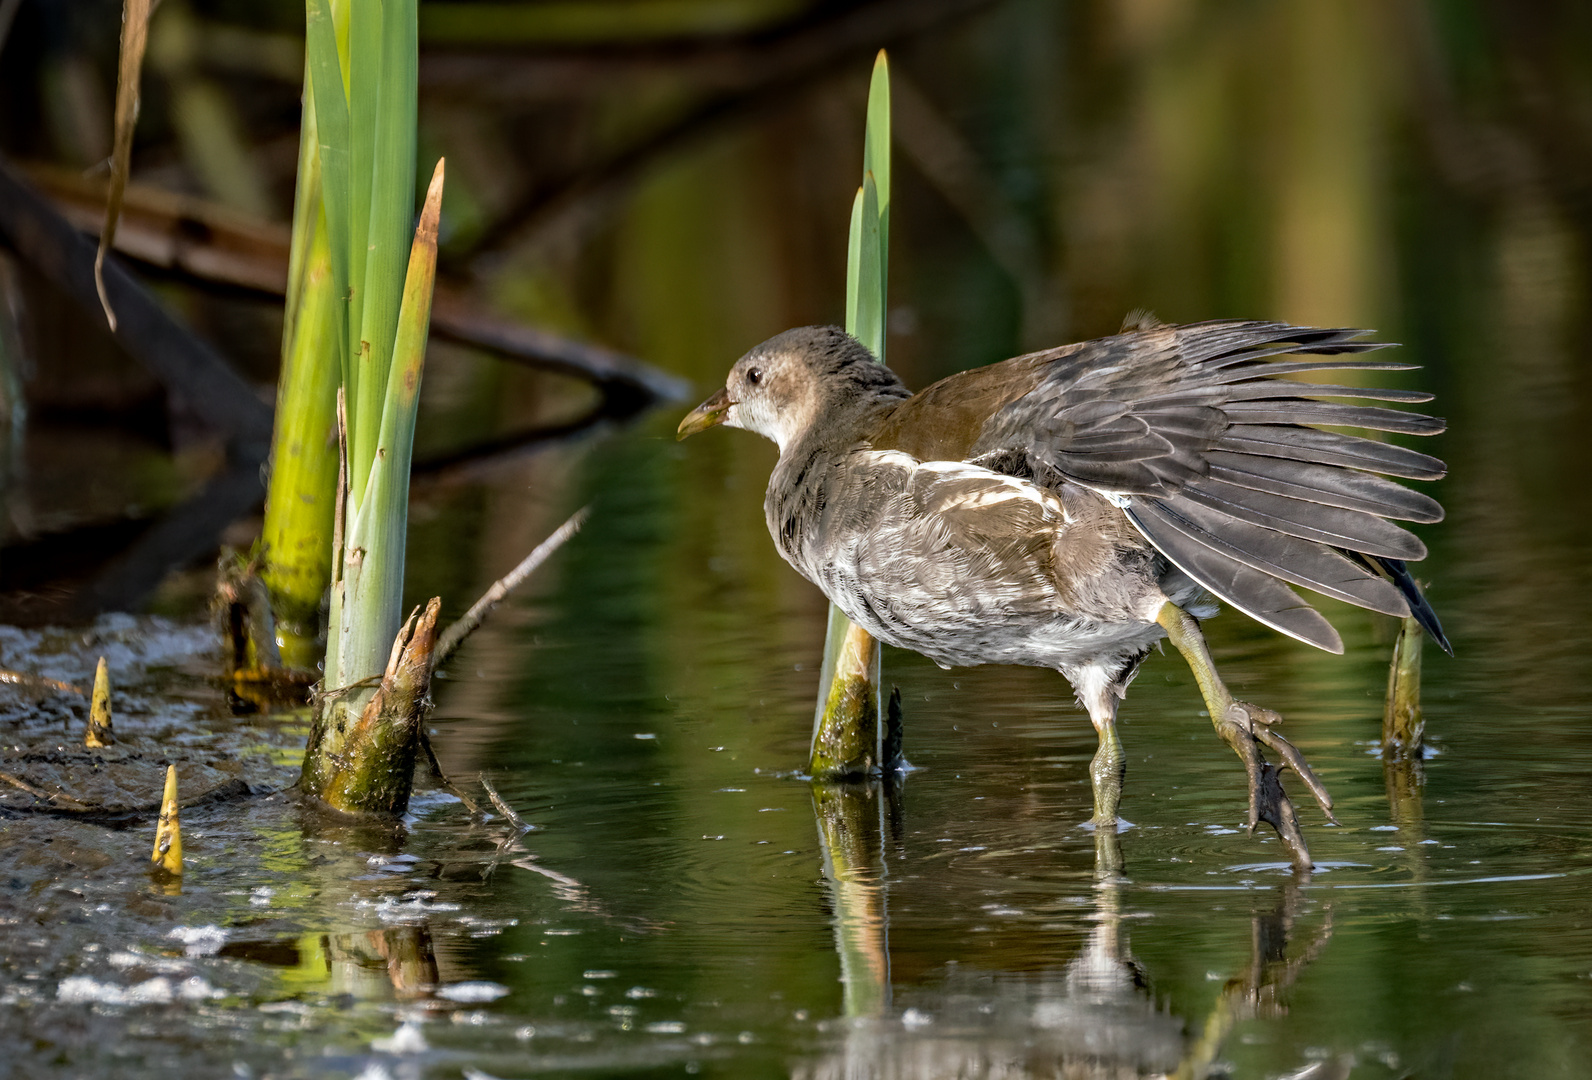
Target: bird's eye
{"type": "Point", "coordinates": [754, 376]}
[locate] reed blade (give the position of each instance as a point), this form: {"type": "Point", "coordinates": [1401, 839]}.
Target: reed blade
{"type": "Point", "coordinates": [869, 327]}
{"type": "Point", "coordinates": [854, 262]}
{"type": "Point", "coordinates": [306, 212]}
{"type": "Point", "coordinates": [377, 531]}
{"type": "Point", "coordinates": [330, 102]}
{"type": "Point", "coordinates": [301, 499]}
{"type": "Point", "coordinates": [362, 65]}
{"type": "Point", "coordinates": [391, 195]}
{"type": "Point", "coordinates": [876, 162]}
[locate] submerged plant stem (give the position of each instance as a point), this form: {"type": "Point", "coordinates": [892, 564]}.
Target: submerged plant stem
{"type": "Point", "coordinates": [850, 834]}
{"type": "Point", "coordinates": [1402, 724]}
{"type": "Point", "coordinates": [846, 737]}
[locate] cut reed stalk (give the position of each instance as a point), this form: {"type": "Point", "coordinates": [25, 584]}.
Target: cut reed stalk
{"type": "Point", "coordinates": [167, 856]}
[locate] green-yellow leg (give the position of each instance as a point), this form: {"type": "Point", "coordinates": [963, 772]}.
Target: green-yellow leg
{"type": "Point", "coordinates": [1245, 728]}
{"type": "Point", "coordinates": [1108, 769]}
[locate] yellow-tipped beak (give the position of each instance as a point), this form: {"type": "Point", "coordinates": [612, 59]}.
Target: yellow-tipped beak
{"type": "Point", "coordinates": [708, 414]}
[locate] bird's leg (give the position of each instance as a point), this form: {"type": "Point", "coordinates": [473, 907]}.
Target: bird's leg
{"type": "Point", "coordinates": [1109, 767]}
{"type": "Point", "coordinates": [1246, 728]}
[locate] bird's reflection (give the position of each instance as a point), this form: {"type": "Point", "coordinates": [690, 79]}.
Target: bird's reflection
{"type": "Point", "coordinates": [1092, 1016]}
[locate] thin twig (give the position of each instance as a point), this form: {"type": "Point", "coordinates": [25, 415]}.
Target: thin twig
{"type": "Point", "coordinates": [503, 807]}
{"type": "Point", "coordinates": [471, 621]}
{"type": "Point", "coordinates": [130, 66]}
{"type": "Point", "coordinates": [40, 793]}
{"type": "Point", "coordinates": [441, 778]}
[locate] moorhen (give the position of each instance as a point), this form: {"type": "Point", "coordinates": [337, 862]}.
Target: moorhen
{"type": "Point", "coordinates": [1069, 508]}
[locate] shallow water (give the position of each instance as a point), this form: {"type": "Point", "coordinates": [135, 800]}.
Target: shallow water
{"type": "Point", "coordinates": [683, 903]}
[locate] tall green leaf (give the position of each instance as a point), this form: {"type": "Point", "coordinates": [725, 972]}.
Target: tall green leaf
{"type": "Point", "coordinates": [876, 163]}
{"type": "Point", "coordinates": [332, 137]}
{"type": "Point", "coordinates": [387, 231]}
{"type": "Point", "coordinates": [301, 500]}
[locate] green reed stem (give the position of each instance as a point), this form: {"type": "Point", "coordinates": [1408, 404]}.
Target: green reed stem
{"type": "Point", "coordinates": [848, 725]}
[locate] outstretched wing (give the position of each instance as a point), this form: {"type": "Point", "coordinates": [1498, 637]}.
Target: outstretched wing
{"type": "Point", "coordinates": [1223, 464]}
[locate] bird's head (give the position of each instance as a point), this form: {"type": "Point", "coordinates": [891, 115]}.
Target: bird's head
{"type": "Point", "coordinates": [783, 385]}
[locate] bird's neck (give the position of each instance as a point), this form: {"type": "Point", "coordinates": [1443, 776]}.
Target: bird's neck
{"type": "Point", "coordinates": [809, 467]}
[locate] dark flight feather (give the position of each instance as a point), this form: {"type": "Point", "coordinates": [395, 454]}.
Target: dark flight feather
{"type": "Point", "coordinates": [1259, 595]}
{"type": "Point", "coordinates": [1222, 464]}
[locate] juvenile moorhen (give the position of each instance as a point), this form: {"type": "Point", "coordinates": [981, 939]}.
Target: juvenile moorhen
{"type": "Point", "coordinates": [1069, 508]}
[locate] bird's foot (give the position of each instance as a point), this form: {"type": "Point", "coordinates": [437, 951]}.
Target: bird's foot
{"type": "Point", "coordinates": [1112, 823]}
{"type": "Point", "coordinates": [1246, 728]}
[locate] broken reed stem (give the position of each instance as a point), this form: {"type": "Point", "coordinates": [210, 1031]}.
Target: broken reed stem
{"type": "Point", "coordinates": [372, 768]}
{"type": "Point", "coordinates": [167, 855]}
{"type": "Point", "coordinates": [1402, 723]}
{"type": "Point", "coordinates": [99, 732]}
{"type": "Point", "coordinates": [471, 621]}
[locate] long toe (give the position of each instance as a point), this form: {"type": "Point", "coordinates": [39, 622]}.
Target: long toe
{"type": "Point", "coordinates": [1293, 759]}
{"type": "Point", "coordinates": [1246, 728]}
{"type": "Point", "coordinates": [1237, 731]}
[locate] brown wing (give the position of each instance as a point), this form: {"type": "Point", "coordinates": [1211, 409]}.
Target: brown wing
{"type": "Point", "coordinates": [1215, 459]}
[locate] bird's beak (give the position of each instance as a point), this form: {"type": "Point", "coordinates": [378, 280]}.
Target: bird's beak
{"type": "Point", "coordinates": [705, 415]}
